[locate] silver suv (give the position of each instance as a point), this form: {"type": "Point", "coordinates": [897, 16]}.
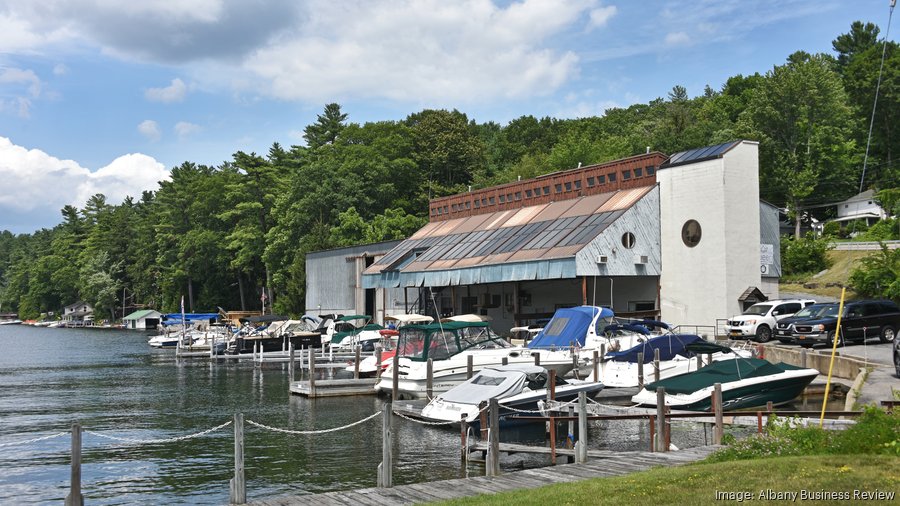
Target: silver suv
{"type": "Point", "coordinates": [758, 320]}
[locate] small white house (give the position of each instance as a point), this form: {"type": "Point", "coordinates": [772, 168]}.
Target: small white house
{"type": "Point", "coordinates": [861, 206]}
{"type": "Point", "coordinates": [145, 319]}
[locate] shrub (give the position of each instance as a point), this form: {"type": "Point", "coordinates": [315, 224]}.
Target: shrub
{"type": "Point", "coordinates": [803, 256]}
{"type": "Point", "coordinates": [875, 431]}
{"type": "Point", "coordinates": [878, 275]}
{"type": "Point", "coordinates": [884, 230]}
{"type": "Point", "coordinates": [832, 229]}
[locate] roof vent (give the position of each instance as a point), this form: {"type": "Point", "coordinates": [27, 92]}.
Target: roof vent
{"type": "Point", "coordinates": [641, 259]}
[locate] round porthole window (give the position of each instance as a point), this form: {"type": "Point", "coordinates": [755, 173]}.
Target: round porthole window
{"type": "Point", "coordinates": [690, 233]}
{"type": "Point", "coordinates": [628, 240]}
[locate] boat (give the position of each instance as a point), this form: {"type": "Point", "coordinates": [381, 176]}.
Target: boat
{"type": "Point", "coordinates": [345, 335]}
{"type": "Point", "coordinates": [183, 327]}
{"type": "Point", "coordinates": [746, 383]}
{"type": "Point", "coordinates": [620, 368]}
{"type": "Point", "coordinates": [585, 327]}
{"type": "Point", "coordinates": [369, 365]}
{"type": "Point", "coordinates": [449, 346]}
{"type": "Point", "coordinates": [521, 387]}
{"type": "Point", "coordinates": [270, 333]}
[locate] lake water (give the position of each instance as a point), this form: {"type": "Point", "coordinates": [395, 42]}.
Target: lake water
{"type": "Point", "coordinates": [113, 383]}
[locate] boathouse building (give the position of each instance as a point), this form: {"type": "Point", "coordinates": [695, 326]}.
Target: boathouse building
{"type": "Point", "coordinates": [683, 238]}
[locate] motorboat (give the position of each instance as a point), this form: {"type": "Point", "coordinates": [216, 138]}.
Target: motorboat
{"type": "Point", "coordinates": [449, 345]}
{"type": "Point", "coordinates": [346, 335]}
{"type": "Point", "coordinates": [270, 333]}
{"type": "Point", "coordinates": [746, 383]}
{"type": "Point", "coordinates": [369, 366]}
{"type": "Point", "coordinates": [521, 387]}
{"type": "Point", "coordinates": [585, 327]}
{"type": "Point", "coordinates": [181, 327]}
{"type": "Point", "coordinates": [620, 368]}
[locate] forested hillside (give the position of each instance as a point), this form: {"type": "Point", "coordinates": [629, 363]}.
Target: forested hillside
{"type": "Point", "coordinates": [219, 234]}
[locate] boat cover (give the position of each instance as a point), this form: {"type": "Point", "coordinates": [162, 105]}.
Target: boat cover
{"type": "Point", "coordinates": [722, 371]}
{"type": "Point", "coordinates": [669, 346]}
{"type": "Point", "coordinates": [568, 326]}
{"type": "Point", "coordinates": [487, 384]}
{"type": "Point", "coordinates": [708, 347]}
{"type": "Point", "coordinates": [339, 336]}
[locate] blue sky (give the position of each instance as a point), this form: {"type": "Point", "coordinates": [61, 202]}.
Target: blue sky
{"type": "Point", "coordinates": [105, 96]}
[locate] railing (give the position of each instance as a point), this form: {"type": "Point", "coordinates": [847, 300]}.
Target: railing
{"type": "Point", "coordinates": [863, 245]}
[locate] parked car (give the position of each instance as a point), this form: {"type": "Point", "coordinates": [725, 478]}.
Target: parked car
{"type": "Point", "coordinates": [897, 357]}
{"type": "Point", "coordinates": [784, 329]}
{"type": "Point", "coordinates": [758, 320]}
{"type": "Point", "coordinates": [861, 320]}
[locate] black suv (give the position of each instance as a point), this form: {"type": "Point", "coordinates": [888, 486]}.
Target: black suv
{"type": "Point", "coordinates": [784, 328]}
{"type": "Point", "coordinates": [862, 320]}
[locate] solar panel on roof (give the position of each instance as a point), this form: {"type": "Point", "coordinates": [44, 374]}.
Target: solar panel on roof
{"type": "Point", "coordinates": [698, 154]}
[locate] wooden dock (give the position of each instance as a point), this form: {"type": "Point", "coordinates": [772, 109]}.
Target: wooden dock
{"type": "Point", "coordinates": [335, 387]}
{"type": "Point", "coordinates": [618, 464]}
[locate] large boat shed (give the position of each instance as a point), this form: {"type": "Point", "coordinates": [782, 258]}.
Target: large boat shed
{"type": "Point", "coordinates": [683, 238]}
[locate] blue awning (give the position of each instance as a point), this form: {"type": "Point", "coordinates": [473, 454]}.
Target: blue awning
{"type": "Point", "coordinates": [568, 326]}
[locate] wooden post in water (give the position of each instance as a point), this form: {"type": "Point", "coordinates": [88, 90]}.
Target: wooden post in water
{"type": "Point", "coordinates": [582, 444]}
{"type": "Point", "coordinates": [699, 361]}
{"type": "Point", "coordinates": [708, 358]}
{"type": "Point", "coordinates": [640, 360]}
{"type": "Point", "coordinates": [395, 376]}
{"type": "Point", "coordinates": [652, 432]}
{"type": "Point", "coordinates": [429, 379]}
{"type": "Point", "coordinates": [238, 487]}
{"type": "Point", "coordinates": [75, 498]}
{"type": "Point", "coordinates": [385, 477]}
{"type": "Point", "coordinates": [803, 357]}
{"type": "Point", "coordinates": [463, 438]}
{"type": "Point", "coordinates": [470, 366]}
{"type": "Point", "coordinates": [378, 362]}
{"type": "Point", "coordinates": [356, 364]}
{"type": "Point", "coordinates": [656, 364]}
{"type": "Point", "coordinates": [570, 435]}
{"type": "Point", "coordinates": [494, 453]}
{"type": "Point", "coordinates": [661, 419]}
{"type": "Point", "coordinates": [312, 374]}
{"type": "Point", "coordinates": [291, 363]}
{"type": "Point", "coordinates": [482, 419]}
{"type": "Point", "coordinates": [597, 364]}
{"type": "Point", "coordinates": [551, 395]}
{"type": "Point", "coordinates": [719, 430]}
{"type": "Point", "coordinates": [537, 358]}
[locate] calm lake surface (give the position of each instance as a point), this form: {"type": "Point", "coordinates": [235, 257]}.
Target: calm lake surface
{"type": "Point", "coordinates": [113, 383]}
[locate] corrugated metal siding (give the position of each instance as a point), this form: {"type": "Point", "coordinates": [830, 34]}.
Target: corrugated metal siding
{"type": "Point", "coordinates": [769, 234]}
{"type": "Point", "coordinates": [331, 274]}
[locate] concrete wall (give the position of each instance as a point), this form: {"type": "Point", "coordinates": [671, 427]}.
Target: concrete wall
{"type": "Point", "coordinates": [703, 283]}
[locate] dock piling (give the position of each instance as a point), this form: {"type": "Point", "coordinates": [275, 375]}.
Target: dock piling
{"type": "Point", "coordinates": [378, 367]}
{"type": "Point", "coordinates": [463, 432]}
{"type": "Point", "coordinates": [582, 444]}
{"type": "Point", "coordinates": [470, 366]}
{"type": "Point", "coordinates": [597, 362]}
{"type": "Point", "coordinates": [312, 374]}
{"type": "Point", "coordinates": [661, 419]}
{"type": "Point", "coordinates": [719, 429]}
{"type": "Point", "coordinates": [492, 464]}
{"type": "Point", "coordinates": [238, 486]}
{"type": "Point", "coordinates": [356, 364]}
{"type": "Point", "coordinates": [656, 364]}
{"type": "Point", "coordinates": [640, 364]}
{"type": "Point", "coordinates": [429, 379]}
{"type": "Point", "coordinates": [385, 478]}
{"type": "Point", "coordinates": [395, 386]}
{"type": "Point", "coordinates": [75, 498]}
{"type": "Point", "coordinates": [291, 364]}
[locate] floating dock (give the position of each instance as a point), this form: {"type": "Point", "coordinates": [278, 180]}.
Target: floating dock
{"type": "Point", "coordinates": [334, 387]}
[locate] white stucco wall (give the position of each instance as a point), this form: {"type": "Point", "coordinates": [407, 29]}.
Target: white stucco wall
{"type": "Point", "coordinates": [703, 283]}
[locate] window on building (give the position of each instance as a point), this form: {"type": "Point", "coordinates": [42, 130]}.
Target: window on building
{"type": "Point", "coordinates": [445, 209]}
{"type": "Point", "coordinates": [491, 201]}
{"type": "Point", "coordinates": [601, 179]}
{"type": "Point", "coordinates": [690, 233]}
{"type": "Point", "coordinates": [477, 204]}
{"type": "Point", "coordinates": [591, 181]}
{"type": "Point", "coordinates": [626, 174]}
{"type": "Point", "coordinates": [509, 197]}
{"type": "Point", "coordinates": [568, 186]}
{"type": "Point", "coordinates": [502, 198]}
{"type": "Point", "coordinates": [638, 172]}
{"type": "Point", "coordinates": [650, 170]}
{"type": "Point", "coordinates": [558, 188]}
{"type": "Point", "coordinates": [578, 184]}
{"type": "Point", "coordinates": [528, 194]}
{"type": "Point", "coordinates": [484, 202]}
{"type": "Point", "coordinates": [612, 177]}
{"type": "Point", "coordinates": [546, 190]}
{"type": "Point", "coordinates": [468, 205]}
{"type": "Point", "coordinates": [628, 240]}
{"type": "Point", "coordinates": [453, 208]}
{"type": "Point", "coordinates": [518, 196]}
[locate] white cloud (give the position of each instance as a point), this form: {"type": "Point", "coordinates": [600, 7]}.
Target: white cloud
{"type": "Point", "coordinates": [149, 129]}
{"type": "Point", "coordinates": [677, 39]}
{"type": "Point", "coordinates": [24, 86]}
{"type": "Point", "coordinates": [175, 92]}
{"type": "Point", "coordinates": [20, 106]}
{"type": "Point", "coordinates": [60, 69]}
{"type": "Point", "coordinates": [183, 129]}
{"type": "Point", "coordinates": [601, 15]}
{"type": "Point", "coordinates": [44, 184]}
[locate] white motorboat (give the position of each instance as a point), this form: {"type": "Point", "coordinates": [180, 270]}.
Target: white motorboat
{"type": "Point", "coordinates": [369, 365]}
{"type": "Point", "coordinates": [519, 387]}
{"type": "Point", "coordinates": [449, 346]}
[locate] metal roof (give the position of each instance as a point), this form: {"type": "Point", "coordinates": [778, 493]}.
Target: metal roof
{"type": "Point", "coordinates": [512, 240]}
{"type": "Point", "coordinates": [143, 313]}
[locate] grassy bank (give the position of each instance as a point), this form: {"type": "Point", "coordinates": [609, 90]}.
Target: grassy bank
{"type": "Point", "coordinates": [699, 483]}
{"type": "Point", "coordinates": [841, 264]}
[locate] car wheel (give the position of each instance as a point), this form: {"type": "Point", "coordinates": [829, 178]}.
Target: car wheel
{"type": "Point", "coordinates": [887, 334]}
{"type": "Point", "coordinates": [763, 333]}
{"type": "Point", "coordinates": [830, 341]}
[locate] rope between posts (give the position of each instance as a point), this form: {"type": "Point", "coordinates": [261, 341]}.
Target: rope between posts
{"type": "Point", "coordinates": [35, 440]}
{"type": "Point", "coordinates": [159, 441]}
{"type": "Point", "coordinates": [311, 432]}
{"type": "Point", "coordinates": [423, 422]}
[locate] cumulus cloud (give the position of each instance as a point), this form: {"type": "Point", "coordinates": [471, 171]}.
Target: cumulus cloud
{"type": "Point", "coordinates": [60, 69]}
{"type": "Point", "coordinates": [149, 129]}
{"type": "Point", "coordinates": [183, 129]}
{"type": "Point", "coordinates": [601, 15]}
{"type": "Point", "coordinates": [175, 92]}
{"type": "Point", "coordinates": [44, 184]}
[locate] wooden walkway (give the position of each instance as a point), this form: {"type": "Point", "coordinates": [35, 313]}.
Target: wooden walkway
{"type": "Point", "coordinates": [621, 464]}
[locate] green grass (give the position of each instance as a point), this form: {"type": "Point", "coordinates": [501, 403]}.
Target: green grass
{"type": "Point", "coordinates": [698, 483]}
{"type": "Point", "coordinates": [841, 264]}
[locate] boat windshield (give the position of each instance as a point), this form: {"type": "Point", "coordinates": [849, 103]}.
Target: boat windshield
{"type": "Point", "coordinates": [602, 323]}
{"type": "Point", "coordinates": [758, 309]}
